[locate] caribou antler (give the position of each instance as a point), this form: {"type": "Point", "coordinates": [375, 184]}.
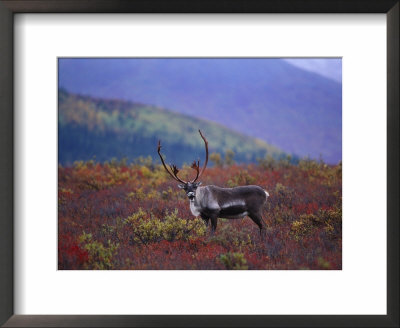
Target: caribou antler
{"type": "Point", "coordinates": [205, 163]}
{"type": "Point", "coordinates": [195, 166]}
{"type": "Point", "coordinates": [173, 171]}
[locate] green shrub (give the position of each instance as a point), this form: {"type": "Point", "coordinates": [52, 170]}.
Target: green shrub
{"type": "Point", "coordinates": [241, 179]}
{"type": "Point", "coordinates": [100, 256]}
{"type": "Point", "coordinates": [323, 264]}
{"type": "Point", "coordinates": [229, 155]}
{"type": "Point", "coordinates": [216, 159]}
{"type": "Point", "coordinates": [143, 161]}
{"type": "Point", "coordinates": [300, 228]}
{"type": "Point", "coordinates": [268, 162]}
{"type": "Point", "coordinates": [227, 236]}
{"type": "Point", "coordinates": [283, 195]}
{"type": "Point", "coordinates": [147, 228]}
{"type": "Point", "coordinates": [234, 261]}
{"type": "Point", "coordinates": [330, 220]}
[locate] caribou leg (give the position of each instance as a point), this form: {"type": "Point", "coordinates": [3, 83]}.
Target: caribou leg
{"type": "Point", "coordinates": [214, 221]}
{"type": "Point", "coordinates": [257, 219]}
{"type": "Point", "coordinates": [206, 220]}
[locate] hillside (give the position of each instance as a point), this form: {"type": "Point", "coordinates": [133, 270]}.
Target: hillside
{"type": "Point", "coordinates": [270, 99]}
{"type": "Point", "coordinates": [105, 129]}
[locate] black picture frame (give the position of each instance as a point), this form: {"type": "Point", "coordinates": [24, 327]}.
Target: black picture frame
{"type": "Point", "coordinates": [10, 7]}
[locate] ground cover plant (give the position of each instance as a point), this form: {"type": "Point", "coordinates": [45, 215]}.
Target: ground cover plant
{"type": "Point", "coordinates": [115, 215]}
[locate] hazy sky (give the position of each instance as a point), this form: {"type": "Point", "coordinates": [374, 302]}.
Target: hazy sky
{"type": "Point", "coordinates": [328, 67]}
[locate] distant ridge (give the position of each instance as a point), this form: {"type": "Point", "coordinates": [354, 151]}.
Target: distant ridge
{"type": "Point", "coordinates": [104, 129]}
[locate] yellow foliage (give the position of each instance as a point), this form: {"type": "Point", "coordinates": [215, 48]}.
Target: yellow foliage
{"type": "Point", "coordinates": [234, 261]}
{"type": "Point", "coordinates": [145, 171]}
{"type": "Point", "coordinates": [100, 256]}
{"type": "Point", "coordinates": [147, 228]}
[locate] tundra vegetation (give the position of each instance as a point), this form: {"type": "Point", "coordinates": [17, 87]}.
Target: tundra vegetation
{"type": "Point", "coordinates": [120, 216]}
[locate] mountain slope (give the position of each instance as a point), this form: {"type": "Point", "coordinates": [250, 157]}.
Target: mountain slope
{"type": "Point", "coordinates": [91, 127]}
{"type": "Point", "coordinates": [296, 110]}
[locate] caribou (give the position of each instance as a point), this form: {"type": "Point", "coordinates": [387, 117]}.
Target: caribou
{"type": "Point", "coordinates": [212, 202]}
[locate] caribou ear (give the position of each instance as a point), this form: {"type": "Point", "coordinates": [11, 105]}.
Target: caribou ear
{"type": "Point", "coordinates": [198, 184]}
{"type": "Point", "coordinates": [181, 186]}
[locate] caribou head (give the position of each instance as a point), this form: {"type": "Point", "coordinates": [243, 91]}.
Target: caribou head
{"type": "Point", "coordinates": [190, 186]}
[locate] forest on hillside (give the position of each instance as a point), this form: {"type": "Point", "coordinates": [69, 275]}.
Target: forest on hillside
{"type": "Point", "coordinates": [102, 129]}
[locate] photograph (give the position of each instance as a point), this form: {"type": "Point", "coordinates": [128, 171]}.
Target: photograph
{"type": "Point", "coordinates": [199, 163]}
{"type": "Point", "coordinates": [158, 156]}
